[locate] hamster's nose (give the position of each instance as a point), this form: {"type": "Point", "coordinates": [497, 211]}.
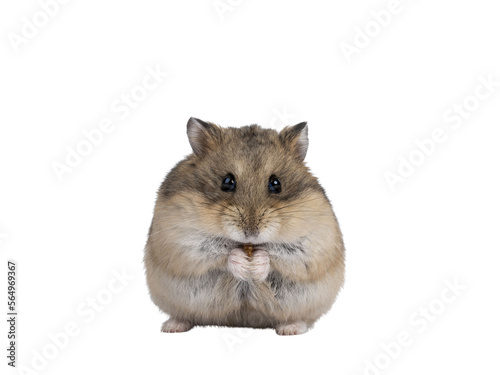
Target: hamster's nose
{"type": "Point", "coordinates": [250, 224]}
{"type": "Point", "coordinates": [251, 231]}
{"type": "Point", "coordinates": [250, 227]}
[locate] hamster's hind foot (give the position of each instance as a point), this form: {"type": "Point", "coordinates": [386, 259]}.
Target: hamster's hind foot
{"type": "Point", "coordinates": [173, 325]}
{"type": "Point", "coordinates": [291, 329]}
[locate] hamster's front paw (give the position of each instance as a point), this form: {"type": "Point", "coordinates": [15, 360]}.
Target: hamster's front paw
{"type": "Point", "coordinates": [239, 264]}
{"type": "Point", "coordinates": [259, 265]}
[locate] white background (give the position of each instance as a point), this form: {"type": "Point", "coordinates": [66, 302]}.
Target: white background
{"type": "Point", "coordinates": [249, 65]}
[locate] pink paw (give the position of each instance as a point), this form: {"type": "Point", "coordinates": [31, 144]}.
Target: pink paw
{"type": "Point", "coordinates": [173, 325]}
{"type": "Point", "coordinates": [259, 265]}
{"type": "Point", "coordinates": [239, 264]}
{"type": "Point", "coordinates": [296, 328]}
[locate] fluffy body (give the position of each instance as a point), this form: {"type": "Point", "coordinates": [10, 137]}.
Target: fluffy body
{"type": "Point", "coordinates": [196, 269]}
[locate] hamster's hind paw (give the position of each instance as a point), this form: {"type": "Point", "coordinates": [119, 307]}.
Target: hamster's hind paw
{"type": "Point", "coordinates": [290, 329]}
{"type": "Point", "coordinates": [173, 325]}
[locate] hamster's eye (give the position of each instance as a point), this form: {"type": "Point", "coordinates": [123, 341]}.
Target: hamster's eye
{"type": "Point", "coordinates": [228, 183]}
{"type": "Point", "coordinates": [274, 184]}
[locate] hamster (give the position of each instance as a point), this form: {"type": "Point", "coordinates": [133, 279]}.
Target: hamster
{"type": "Point", "coordinates": [244, 188]}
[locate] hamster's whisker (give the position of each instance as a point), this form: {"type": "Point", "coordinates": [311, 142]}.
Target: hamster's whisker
{"type": "Point", "coordinates": [173, 226]}
{"type": "Point", "coordinates": [305, 211]}
{"type": "Point", "coordinates": [292, 205]}
{"type": "Point", "coordinates": [228, 208]}
{"type": "Point", "coordinates": [296, 203]}
{"type": "Point", "coordinates": [214, 210]}
{"type": "Point", "coordinates": [274, 204]}
{"type": "Point", "coordinates": [295, 217]}
{"type": "Point", "coordinates": [264, 212]}
{"type": "Point", "coordinates": [220, 215]}
{"type": "Point", "coordinates": [210, 206]}
{"type": "Point", "coordinates": [218, 212]}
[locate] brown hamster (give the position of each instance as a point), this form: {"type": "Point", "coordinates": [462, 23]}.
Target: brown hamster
{"type": "Point", "coordinates": [244, 188]}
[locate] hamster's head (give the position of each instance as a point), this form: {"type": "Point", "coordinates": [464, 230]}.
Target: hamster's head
{"type": "Point", "coordinates": [250, 184]}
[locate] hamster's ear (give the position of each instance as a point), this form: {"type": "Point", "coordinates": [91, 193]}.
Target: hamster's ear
{"type": "Point", "coordinates": [295, 139]}
{"type": "Point", "coordinates": [202, 135]}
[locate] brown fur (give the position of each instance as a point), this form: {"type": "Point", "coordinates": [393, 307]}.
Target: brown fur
{"type": "Point", "coordinates": [196, 225]}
